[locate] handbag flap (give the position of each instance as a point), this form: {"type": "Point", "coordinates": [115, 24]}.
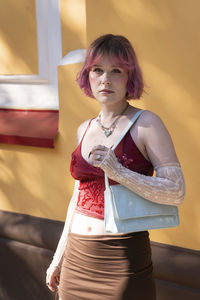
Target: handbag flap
{"type": "Point", "coordinates": [129, 205]}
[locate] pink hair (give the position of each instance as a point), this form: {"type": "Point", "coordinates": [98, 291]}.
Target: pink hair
{"type": "Point", "coordinates": [122, 54]}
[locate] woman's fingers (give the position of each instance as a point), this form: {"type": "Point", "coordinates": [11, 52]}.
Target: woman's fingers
{"type": "Point", "coordinates": [52, 286]}
{"type": "Point", "coordinates": [51, 283]}
{"type": "Point", "coordinates": [100, 147]}
{"type": "Point", "coordinates": [52, 279]}
{"type": "Point", "coordinates": [102, 150]}
{"type": "Point", "coordinates": [57, 279]}
{"type": "Point", "coordinates": [98, 154]}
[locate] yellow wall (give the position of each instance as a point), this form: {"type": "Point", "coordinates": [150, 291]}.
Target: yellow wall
{"type": "Point", "coordinates": [73, 23]}
{"type": "Point", "coordinates": [165, 34]}
{"type": "Point", "coordinates": [18, 37]}
{"type": "Point", "coordinates": [33, 180]}
{"type": "Point", "coordinates": [166, 38]}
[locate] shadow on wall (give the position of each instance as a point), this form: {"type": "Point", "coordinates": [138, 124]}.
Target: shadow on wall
{"type": "Point", "coordinates": [31, 177]}
{"type": "Point", "coordinates": [167, 46]}
{"type": "Point", "coordinates": [33, 180]}
{"type": "Point", "coordinates": [14, 53]}
{"type": "Point", "coordinates": [166, 39]}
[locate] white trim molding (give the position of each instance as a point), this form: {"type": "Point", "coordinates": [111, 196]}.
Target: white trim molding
{"type": "Point", "coordinates": [39, 91]}
{"type": "Point", "coordinates": [73, 57]}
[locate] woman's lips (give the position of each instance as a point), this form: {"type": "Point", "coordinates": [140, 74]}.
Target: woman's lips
{"type": "Point", "coordinates": [106, 92]}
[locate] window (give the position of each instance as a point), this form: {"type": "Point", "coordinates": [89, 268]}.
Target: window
{"type": "Point", "coordinates": [38, 91]}
{"type": "Point", "coordinates": [29, 103]}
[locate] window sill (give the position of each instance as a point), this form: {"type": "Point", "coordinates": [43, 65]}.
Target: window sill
{"type": "Point", "coordinates": [28, 127]}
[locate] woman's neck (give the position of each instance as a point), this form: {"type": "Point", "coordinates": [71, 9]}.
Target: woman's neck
{"type": "Point", "coordinates": [108, 113]}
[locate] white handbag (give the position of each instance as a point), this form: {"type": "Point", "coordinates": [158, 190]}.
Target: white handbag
{"type": "Point", "coordinates": [126, 211]}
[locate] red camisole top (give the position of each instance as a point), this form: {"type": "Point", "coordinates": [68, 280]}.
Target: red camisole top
{"type": "Point", "coordinates": [91, 190]}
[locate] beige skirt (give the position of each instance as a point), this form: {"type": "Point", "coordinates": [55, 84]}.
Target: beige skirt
{"type": "Point", "coordinates": [115, 267]}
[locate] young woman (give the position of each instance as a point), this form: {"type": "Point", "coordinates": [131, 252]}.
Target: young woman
{"type": "Point", "coordinates": [91, 263]}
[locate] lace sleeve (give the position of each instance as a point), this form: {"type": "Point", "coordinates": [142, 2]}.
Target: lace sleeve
{"type": "Point", "coordinates": [57, 258]}
{"type": "Point", "coordinates": [168, 187]}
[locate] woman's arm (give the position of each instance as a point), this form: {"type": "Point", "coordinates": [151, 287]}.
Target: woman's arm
{"type": "Point", "coordinates": [57, 258]}
{"type": "Point", "coordinates": [168, 187]}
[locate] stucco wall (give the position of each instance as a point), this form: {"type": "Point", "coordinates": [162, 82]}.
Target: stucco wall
{"type": "Point", "coordinates": [73, 23]}
{"type": "Point", "coordinates": [165, 34]}
{"type": "Point", "coordinates": [18, 37]}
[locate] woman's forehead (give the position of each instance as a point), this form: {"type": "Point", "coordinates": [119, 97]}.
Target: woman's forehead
{"type": "Point", "coordinates": [112, 61]}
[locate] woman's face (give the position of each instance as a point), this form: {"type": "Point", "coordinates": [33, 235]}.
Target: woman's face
{"type": "Point", "coordinates": [108, 82]}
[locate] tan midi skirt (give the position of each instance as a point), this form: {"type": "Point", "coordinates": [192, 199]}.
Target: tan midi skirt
{"type": "Point", "coordinates": [114, 267]}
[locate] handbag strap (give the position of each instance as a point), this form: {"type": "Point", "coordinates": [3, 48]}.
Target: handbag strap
{"type": "Point", "coordinates": [130, 124]}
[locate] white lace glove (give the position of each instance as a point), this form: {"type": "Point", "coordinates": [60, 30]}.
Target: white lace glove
{"type": "Point", "coordinates": [168, 187]}
{"type": "Point", "coordinates": [58, 255]}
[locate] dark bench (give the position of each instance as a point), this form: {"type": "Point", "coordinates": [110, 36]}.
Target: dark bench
{"type": "Point", "coordinates": [27, 245]}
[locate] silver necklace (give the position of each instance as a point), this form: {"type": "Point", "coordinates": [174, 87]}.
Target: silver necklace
{"type": "Point", "coordinates": [109, 130]}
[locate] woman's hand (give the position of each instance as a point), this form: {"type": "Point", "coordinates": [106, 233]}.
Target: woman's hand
{"type": "Point", "coordinates": [53, 278]}
{"type": "Point", "coordinates": [98, 154]}
{"type": "Point", "coordinates": [105, 159]}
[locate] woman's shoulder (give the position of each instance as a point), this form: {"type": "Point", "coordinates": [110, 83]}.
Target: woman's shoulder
{"type": "Point", "coordinates": [152, 129]}
{"type": "Point", "coordinates": [148, 123]}
{"type": "Point", "coordinates": [149, 119]}
{"type": "Point", "coordinates": [148, 116]}
{"type": "Point", "coordinates": [81, 130]}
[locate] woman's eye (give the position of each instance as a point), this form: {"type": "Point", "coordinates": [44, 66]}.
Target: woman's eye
{"type": "Point", "coordinates": [116, 71]}
{"type": "Point", "coordinates": [97, 70]}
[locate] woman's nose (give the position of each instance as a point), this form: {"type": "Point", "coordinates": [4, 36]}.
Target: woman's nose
{"type": "Point", "coordinates": [106, 79]}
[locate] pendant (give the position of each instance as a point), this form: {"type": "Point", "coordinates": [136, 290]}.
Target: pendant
{"type": "Point", "coordinates": [108, 131]}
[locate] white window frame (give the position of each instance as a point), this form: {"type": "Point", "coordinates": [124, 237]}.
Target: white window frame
{"type": "Point", "coordinates": [38, 91]}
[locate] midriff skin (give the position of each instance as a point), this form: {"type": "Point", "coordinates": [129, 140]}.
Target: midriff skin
{"type": "Point", "coordinates": [82, 224]}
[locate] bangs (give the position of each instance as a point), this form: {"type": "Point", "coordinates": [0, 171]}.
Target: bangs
{"type": "Point", "coordinates": [115, 52]}
{"type": "Point", "coordinates": [114, 60]}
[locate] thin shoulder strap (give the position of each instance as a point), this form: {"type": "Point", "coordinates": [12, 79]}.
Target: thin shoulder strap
{"type": "Point", "coordinates": [86, 129]}
{"type": "Point", "coordinates": [132, 121]}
